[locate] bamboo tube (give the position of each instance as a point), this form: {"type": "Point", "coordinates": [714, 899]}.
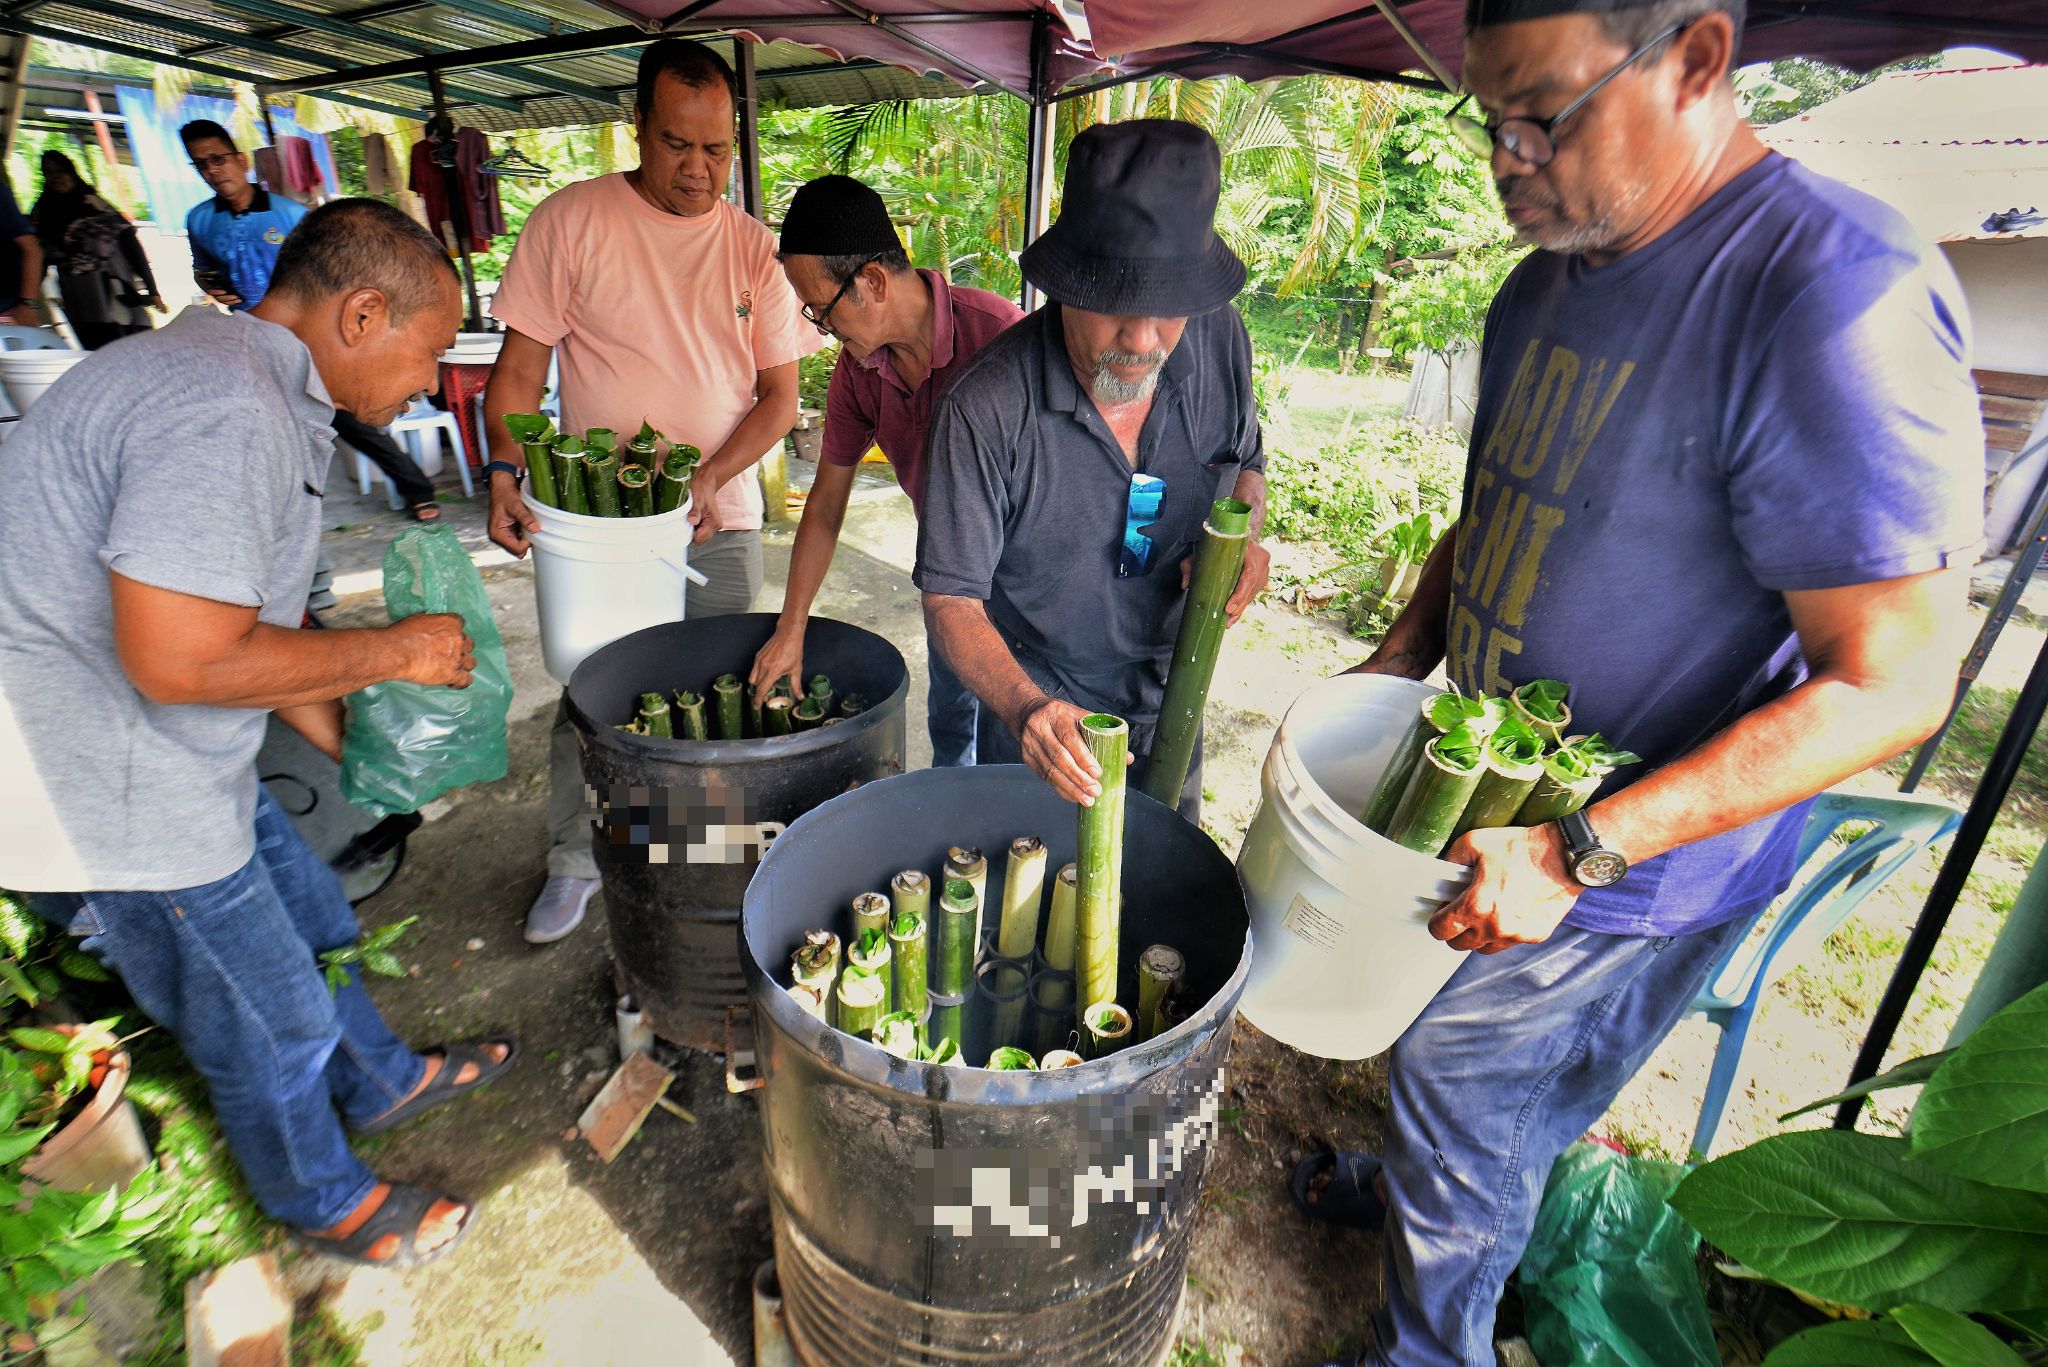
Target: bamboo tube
{"type": "Point", "coordinates": [897, 1033]}
{"type": "Point", "coordinates": [815, 963]}
{"type": "Point", "coordinates": [1052, 1009]}
{"type": "Point", "coordinates": [945, 1053]}
{"type": "Point", "coordinates": [1435, 801]}
{"type": "Point", "coordinates": [569, 460]}
{"type": "Point", "coordinates": [1059, 1058]}
{"type": "Point", "coordinates": [654, 715]}
{"type": "Point", "coordinates": [853, 704]}
{"type": "Point", "coordinates": [859, 1000]}
{"type": "Point", "coordinates": [1541, 703]}
{"type": "Point", "coordinates": [693, 724]}
{"type": "Point", "coordinates": [870, 912]}
{"type": "Point", "coordinates": [821, 688]}
{"type": "Point", "coordinates": [1571, 776]}
{"type": "Point", "coordinates": [911, 893]}
{"type": "Point", "coordinates": [909, 981]}
{"type": "Point", "coordinates": [777, 717]}
{"type": "Point", "coordinates": [1059, 925]}
{"type": "Point", "coordinates": [1394, 779]}
{"type": "Point", "coordinates": [1099, 879]}
{"type": "Point", "coordinates": [601, 478]}
{"type": "Point", "coordinates": [602, 439]}
{"type": "Point", "coordinates": [751, 718]}
{"type": "Point", "coordinates": [967, 862]}
{"type": "Point", "coordinates": [1509, 769]}
{"type": "Point", "coordinates": [636, 491]}
{"type": "Point", "coordinates": [728, 691]}
{"type": "Point", "coordinates": [1023, 891]}
{"type": "Point", "coordinates": [809, 714]}
{"type": "Point", "coordinates": [1105, 1028]}
{"type": "Point", "coordinates": [672, 484]}
{"type": "Point", "coordinates": [953, 940]}
{"type": "Point", "coordinates": [808, 1000]}
{"type": "Point", "coordinates": [1160, 970]}
{"type": "Point", "coordinates": [870, 950]}
{"type": "Point", "coordinates": [1004, 984]}
{"type": "Point", "coordinates": [947, 1022]}
{"type": "Point", "coordinates": [1009, 1059]}
{"type": "Point", "coordinates": [1203, 621]}
{"type": "Point", "coordinates": [534, 433]}
{"type": "Point", "coordinates": [645, 446]}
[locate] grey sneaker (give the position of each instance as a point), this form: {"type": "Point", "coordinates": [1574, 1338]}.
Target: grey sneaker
{"type": "Point", "coordinates": [559, 908]}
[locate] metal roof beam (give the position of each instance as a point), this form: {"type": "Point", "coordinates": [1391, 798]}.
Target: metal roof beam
{"type": "Point", "coordinates": [504, 54]}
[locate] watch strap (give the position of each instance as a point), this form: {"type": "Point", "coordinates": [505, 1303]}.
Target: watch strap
{"type": "Point", "coordinates": [1578, 834]}
{"type": "Point", "coordinates": [518, 475]}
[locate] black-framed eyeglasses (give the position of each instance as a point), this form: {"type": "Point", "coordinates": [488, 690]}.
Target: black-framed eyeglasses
{"type": "Point", "coordinates": [208, 163]}
{"type": "Point", "coordinates": [821, 318]}
{"type": "Point", "coordinates": [1530, 140]}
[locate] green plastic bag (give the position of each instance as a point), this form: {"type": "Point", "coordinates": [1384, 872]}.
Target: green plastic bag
{"type": "Point", "coordinates": [409, 743]}
{"type": "Point", "coordinates": [1608, 1279]}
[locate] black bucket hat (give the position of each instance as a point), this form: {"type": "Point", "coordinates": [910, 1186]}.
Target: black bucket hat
{"type": "Point", "coordinates": [1136, 234]}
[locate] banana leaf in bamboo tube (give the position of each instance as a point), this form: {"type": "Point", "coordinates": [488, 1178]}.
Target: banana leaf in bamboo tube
{"type": "Point", "coordinates": [1098, 889]}
{"type": "Point", "coordinates": [907, 961]}
{"type": "Point", "coordinates": [778, 716]}
{"type": "Point", "coordinates": [569, 481]}
{"type": "Point", "coordinates": [946, 1025]}
{"type": "Point", "coordinates": [898, 1033]}
{"type": "Point", "coordinates": [1105, 1028]}
{"type": "Point", "coordinates": [601, 478]}
{"type": "Point", "coordinates": [729, 692]}
{"type": "Point", "coordinates": [1571, 775]}
{"type": "Point", "coordinates": [602, 439]}
{"type": "Point", "coordinates": [535, 435]}
{"type": "Point", "coordinates": [1435, 716]}
{"type": "Point", "coordinates": [1443, 783]}
{"type": "Point", "coordinates": [952, 968]}
{"type": "Point", "coordinates": [870, 912]}
{"type": "Point", "coordinates": [692, 720]}
{"type": "Point", "coordinates": [944, 1052]}
{"type": "Point", "coordinates": [870, 950]}
{"type": "Point", "coordinates": [645, 447]}
{"type": "Point", "coordinates": [820, 688]}
{"type": "Point", "coordinates": [809, 715]}
{"type": "Point", "coordinates": [1059, 922]}
{"type": "Point", "coordinates": [1059, 1058]}
{"type": "Point", "coordinates": [816, 962]}
{"type": "Point", "coordinates": [859, 1000]}
{"type": "Point", "coordinates": [1204, 618]}
{"type": "Point", "coordinates": [636, 491]}
{"type": "Point", "coordinates": [1512, 764]}
{"type": "Point", "coordinates": [852, 705]}
{"type": "Point", "coordinates": [1159, 972]}
{"type": "Point", "coordinates": [1023, 892]}
{"type": "Point", "coordinates": [1541, 703]}
{"type": "Point", "coordinates": [672, 480]}
{"type": "Point", "coordinates": [969, 864]}
{"type": "Point", "coordinates": [654, 716]}
{"type": "Point", "coordinates": [1010, 1059]}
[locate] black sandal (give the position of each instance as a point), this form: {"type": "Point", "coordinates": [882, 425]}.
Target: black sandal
{"type": "Point", "coordinates": [444, 1087]}
{"type": "Point", "coordinates": [429, 512]}
{"type": "Point", "coordinates": [1349, 1198]}
{"type": "Point", "coordinates": [404, 1210]}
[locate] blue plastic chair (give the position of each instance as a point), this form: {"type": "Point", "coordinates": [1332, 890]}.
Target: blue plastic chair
{"type": "Point", "coordinates": [15, 337]}
{"type": "Point", "coordinates": [1904, 827]}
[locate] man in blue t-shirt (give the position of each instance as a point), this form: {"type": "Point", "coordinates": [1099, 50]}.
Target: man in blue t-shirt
{"type": "Point", "coordinates": [1725, 481]}
{"type": "Point", "coordinates": [236, 236]}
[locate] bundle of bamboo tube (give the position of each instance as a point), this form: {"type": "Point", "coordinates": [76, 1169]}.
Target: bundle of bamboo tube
{"type": "Point", "coordinates": [592, 476]}
{"type": "Point", "coordinates": [723, 712]}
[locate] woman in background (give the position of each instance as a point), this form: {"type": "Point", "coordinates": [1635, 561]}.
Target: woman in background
{"type": "Point", "coordinates": [103, 277]}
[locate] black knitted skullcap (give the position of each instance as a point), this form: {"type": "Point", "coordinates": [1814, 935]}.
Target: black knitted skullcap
{"type": "Point", "coordinates": [838, 216]}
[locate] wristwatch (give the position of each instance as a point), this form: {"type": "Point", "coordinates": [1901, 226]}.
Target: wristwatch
{"type": "Point", "coordinates": [1591, 863]}
{"type": "Point", "coordinates": [518, 475]}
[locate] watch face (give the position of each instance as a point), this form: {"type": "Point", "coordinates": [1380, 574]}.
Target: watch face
{"type": "Point", "coordinates": [1600, 869]}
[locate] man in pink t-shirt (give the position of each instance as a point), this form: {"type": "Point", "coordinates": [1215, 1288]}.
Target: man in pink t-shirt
{"type": "Point", "coordinates": [904, 335]}
{"type": "Point", "coordinates": [662, 303]}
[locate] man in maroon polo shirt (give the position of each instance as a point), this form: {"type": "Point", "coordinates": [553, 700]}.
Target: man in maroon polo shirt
{"type": "Point", "coordinates": [903, 335]}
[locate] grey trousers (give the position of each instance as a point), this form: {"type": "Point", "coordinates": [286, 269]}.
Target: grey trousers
{"type": "Point", "coordinates": [732, 562]}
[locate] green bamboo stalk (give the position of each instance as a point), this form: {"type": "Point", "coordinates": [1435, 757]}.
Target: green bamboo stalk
{"type": "Point", "coordinates": [910, 892]}
{"type": "Point", "coordinates": [945, 1026]}
{"type": "Point", "coordinates": [1541, 703]}
{"type": "Point", "coordinates": [1105, 1028]}
{"type": "Point", "coordinates": [809, 714]}
{"type": "Point", "coordinates": [569, 455]}
{"type": "Point", "coordinates": [967, 862]}
{"type": "Point", "coordinates": [815, 963]}
{"type": "Point", "coordinates": [853, 704]}
{"type": "Point", "coordinates": [909, 980]}
{"type": "Point", "coordinates": [953, 933]}
{"type": "Point", "coordinates": [1006, 984]}
{"type": "Point", "coordinates": [1570, 778]}
{"type": "Point", "coordinates": [1203, 621]}
{"type": "Point", "coordinates": [636, 491]}
{"type": "Point", "coordinates": [1394, 779]}
{"type": "Point", "coordinates": [1059, 1058]}
{"type": "Point", "coordinates": [654, 715]}
{"type": "Point", "coordinates": [672, 485]}
{"type": "Point", "coordinates": [777, 717]}
{"type": "Point", "coordinates": [1435, 801]}
{"type": "Point", "coordinates": [1009, 1059]}
{"type": "Point", "coordinates": [645, 446]}
{"type": "Point", "coordinates": [695, 724]}
{"type": "Point", "coordinates": [1052, 1009]}
{"type": "Point", "coordinates": [870, 912]}
{"type": "Point", "coordinates": [751, 718]}
{"type": "Point", "coordinates": [1059, 924]}
{"type": "Point", "coordinates": [1023, 891]}
{"type": "Point", "coordinates": [898, 1033]}
{"type": "Point", "coordinates": [820, 687]}
{"type": "Point", "coordinates": [1100, 867]}
{"type": "Point", "coordinates": [602, 439]}
{"type": "Point", "coordinates": [601, 477]}
{"type": "Point", "coordinates": [808, 1000]}
{"type": "Point", "coordinates": [1160, 970]}
{"type": "Point", "coordinates": [729, 692]}
{"type": "Point", "coordinates": [535, 433]}
{"type": "Point", "coordinates": [1512, 764]}
{"type": "Point", "coordinates": [859, 1000]}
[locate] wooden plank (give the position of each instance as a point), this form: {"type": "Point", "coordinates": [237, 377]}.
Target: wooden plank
{"type": "Point", "coordinates": [2000, 408]}
{"type": "Point", "coordinates": [2005, 438]}
{"type": "Point", "coordinates": [2011, 384]}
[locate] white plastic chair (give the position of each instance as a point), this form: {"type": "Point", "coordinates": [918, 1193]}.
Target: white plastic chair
{"type": "Point", "coordinates": [14, 337]}
{"type": "Point", "coordinates": [413, 429]}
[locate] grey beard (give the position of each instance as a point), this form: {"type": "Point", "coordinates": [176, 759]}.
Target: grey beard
{"type": "Point", "coordinates": [1108, 389]}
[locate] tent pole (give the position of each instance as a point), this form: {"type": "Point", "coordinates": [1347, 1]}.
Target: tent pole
{"type": "Point", "coordinates": [1038, 139]}
{"type": "Point", "coordinates": [458, 206]}
{"type": "Point", "coordinates": [750, 128]}
{"type": "Point", "coordinates": [1429, 59]}
{"type": "Point", "coordinates": [17, 95]}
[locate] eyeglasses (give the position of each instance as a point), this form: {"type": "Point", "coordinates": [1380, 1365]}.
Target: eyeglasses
{"type": "Point", "coordinates": [1534, 141]}
{"type": "Point", "coordinates": [217, 160]}
{"type": "Point", "coordinates": [820, 318]}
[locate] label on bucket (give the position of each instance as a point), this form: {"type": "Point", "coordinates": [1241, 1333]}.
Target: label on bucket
{"type": "Point", "coordinates": [709, 825]}
{"type": "Point", "coordinates": [1313, 924]}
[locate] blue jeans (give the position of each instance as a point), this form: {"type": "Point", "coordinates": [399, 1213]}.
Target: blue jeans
{"type": "Point", "coordinates": [950, 712]}
{"type": "Point", "coordinates": [1515, 1059]}
{"type": "Point", "coordinates": [231, 969]}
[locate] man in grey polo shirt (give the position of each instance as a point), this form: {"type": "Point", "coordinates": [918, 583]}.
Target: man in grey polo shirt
{"type": "Point", "coordinates": [1043, 451]}
{"type": "Point", "coordinates": [156, 546]}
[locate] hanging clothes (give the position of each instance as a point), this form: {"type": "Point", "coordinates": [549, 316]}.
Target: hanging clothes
{"type": "Point", "coordinates": [429, 180]}
{"type": "Point", "coordinates": [380, 172]}
{"type": "Point", "coordinates": [301, 173]}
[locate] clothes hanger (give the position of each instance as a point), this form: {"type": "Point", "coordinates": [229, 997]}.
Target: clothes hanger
{"type": "Point", "coordinates": [514, 164]}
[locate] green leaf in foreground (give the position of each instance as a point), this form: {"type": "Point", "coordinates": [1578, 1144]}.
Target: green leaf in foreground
{"type": "Point", "coordinates": [1854, 1218]}
{"type": "Point", "coordinates": [1544, 698]}
{"type": "Point", "coordinates": [1984, 1115]}
{"type": "Point", "coordinates": [1911, 1073]}
{"type": "Point", "coordinates": [1851, 1343]}
{"type": "Point", "coordinates": [1955, 1340]}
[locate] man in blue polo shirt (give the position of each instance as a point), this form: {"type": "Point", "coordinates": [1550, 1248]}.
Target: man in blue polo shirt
{"type": "Point", "coordinates": [235, 240]}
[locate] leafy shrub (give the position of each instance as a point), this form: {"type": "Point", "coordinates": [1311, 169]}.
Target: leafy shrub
{"type": "Point", "coordinates": [1442, 304]}
{"type": "Point", "coordinates": [1354, 495]}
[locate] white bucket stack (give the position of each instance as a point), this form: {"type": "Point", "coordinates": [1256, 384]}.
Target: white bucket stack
{"type": "Point", "coordinates": [596, 579]}
{"type": "Point", "coordinates": [26, 375]}
{"type": "Point", "coordinates": [1344, 960]}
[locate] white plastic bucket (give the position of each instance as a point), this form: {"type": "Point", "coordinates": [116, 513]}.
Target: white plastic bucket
{"type": "Point", "coordinates": [27, 374]}
{"type": "Point", "coordinates": [596, 579]}
{"type": "Point", "coordinates": [1340, 915]}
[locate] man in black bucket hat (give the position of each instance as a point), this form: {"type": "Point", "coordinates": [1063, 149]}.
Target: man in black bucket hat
{"type": "Point", "coordinates": [1073, 463]}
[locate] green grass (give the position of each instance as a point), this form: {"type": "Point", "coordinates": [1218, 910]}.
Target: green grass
{"type": "Point", "coordinates": [1190, 1354]}
{"type": "Point", "coordinates": [1967, 750]}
